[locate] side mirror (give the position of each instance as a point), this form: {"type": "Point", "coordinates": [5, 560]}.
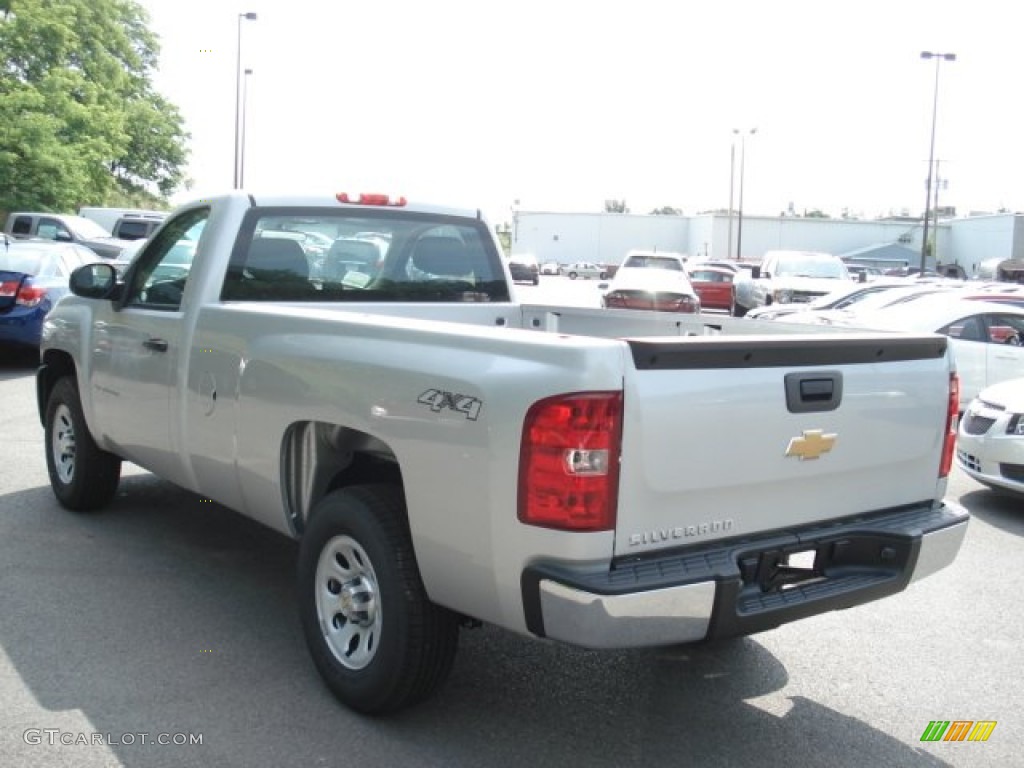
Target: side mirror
{"type": "Point", "coordinates": [63, 237]}
{"type": "Point", "coordinates": [95, 281]}
{"type": "Point", "coordinates": [602, 286]}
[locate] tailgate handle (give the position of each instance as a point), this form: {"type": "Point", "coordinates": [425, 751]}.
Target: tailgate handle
{"type": "Point", "coordinates": [157, 345]}
{"type": "Point", "coordinates": [811, 392]}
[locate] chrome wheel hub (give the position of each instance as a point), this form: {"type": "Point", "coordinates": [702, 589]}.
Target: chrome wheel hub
{"type": "Point", "coordinates": [347, 602]}
{"type": "Point", "coordinates": [62, 439]}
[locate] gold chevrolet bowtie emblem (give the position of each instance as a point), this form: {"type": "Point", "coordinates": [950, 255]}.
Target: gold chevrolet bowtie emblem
{"type": "Point", "coordinates": [811, 444]}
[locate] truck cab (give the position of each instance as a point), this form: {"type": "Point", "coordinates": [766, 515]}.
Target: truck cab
{"type": "Point", "coordinates": [65, 228]}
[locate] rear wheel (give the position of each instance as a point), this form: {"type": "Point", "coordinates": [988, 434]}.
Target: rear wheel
{"type": "Point", "coordinates": [375, 637]}
{"type": "Point", "coordinates": [83, 477]}
{"type": "Point", "coordinates": [737, 309]}
{"type": "Point", "coordinates": [572, 275]}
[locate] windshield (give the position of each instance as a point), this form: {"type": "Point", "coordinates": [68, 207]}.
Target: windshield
{"type": "Point", "coordinates": [388, 255]}
{"type": "Point", "coordinates": [810, 265]}
{"type": "Point", "coordinates": [84, 227]}
{"type": "Point", "coordinates": [653, 262]}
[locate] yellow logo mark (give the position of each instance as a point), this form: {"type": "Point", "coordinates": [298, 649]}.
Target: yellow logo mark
{"type": "Point", "coordinates": [811, 444]}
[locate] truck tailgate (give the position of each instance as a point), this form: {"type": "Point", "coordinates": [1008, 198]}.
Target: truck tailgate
{"type": "Point", "coordinates": [730, 436]}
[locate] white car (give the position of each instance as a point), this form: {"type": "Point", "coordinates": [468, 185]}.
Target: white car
{"type": "Point", "coordinates": [586, 270]}
{"type": "Point", "coordinates": [862, 305]}
{"type": "Point", "coordinates": [986, 337]}
{"type": "Point", "coordinates": [654, 281]}
{"type": "Point", "coordinates": [842, 298]}
{"type": "Point", "coordinates": [990, 443]}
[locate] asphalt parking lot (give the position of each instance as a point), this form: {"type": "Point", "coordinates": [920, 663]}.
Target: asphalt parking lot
{"type": "Point", "coordinates": [170, 618]}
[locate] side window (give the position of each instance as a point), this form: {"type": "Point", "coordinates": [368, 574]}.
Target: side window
{"type": "Point", "coordinates": [52, 229]}
{"type": "Point", "coordinates": [1005, 329]}
{"type": "Point", "coordinates": [967, 329]}
{"type": "Point", "coordinates": [22, 226]}
{"type": "Point", "coordinates": [159, 275]}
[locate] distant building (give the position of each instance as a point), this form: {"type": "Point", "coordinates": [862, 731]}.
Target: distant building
{"type": "Point", "coordinates": [607, 237]}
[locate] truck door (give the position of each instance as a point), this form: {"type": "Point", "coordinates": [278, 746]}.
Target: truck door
{"type": "Point", "coordinates": [138, 348]}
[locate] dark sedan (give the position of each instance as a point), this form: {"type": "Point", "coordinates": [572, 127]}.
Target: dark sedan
{"type": "Point", "coordinates": [33, 276]}
{"type": "Point", "coordinates": [524, 269]}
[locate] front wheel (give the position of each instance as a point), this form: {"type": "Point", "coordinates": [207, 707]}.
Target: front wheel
{"type": "Point", "coordinates": [83, 477]}
{"type": "Point", "coordinates": [376, 639]}
{"type": "Point", "coordinates": [572, 275]}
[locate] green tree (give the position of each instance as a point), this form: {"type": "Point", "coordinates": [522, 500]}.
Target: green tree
{"type": "Point", "coordinates": [615, 206]}
{"type": "Point", "coordinates": [667, 210]}
{"type": "Point", "coordinates": [81, 121]}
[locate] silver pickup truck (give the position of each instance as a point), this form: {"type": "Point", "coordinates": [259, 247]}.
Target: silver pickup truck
{"type": "Point", "coordinates": [448, 455]}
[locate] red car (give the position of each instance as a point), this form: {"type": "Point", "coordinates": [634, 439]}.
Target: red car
{"type": "Point", "coordinates": [714, 287]}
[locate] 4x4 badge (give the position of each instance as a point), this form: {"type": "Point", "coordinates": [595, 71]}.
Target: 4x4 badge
{"type": "Point", "coordinates": [811, 444]}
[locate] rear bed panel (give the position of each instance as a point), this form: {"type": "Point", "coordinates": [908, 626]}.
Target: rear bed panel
{"type": "Point", "coordinates": [704, 453]}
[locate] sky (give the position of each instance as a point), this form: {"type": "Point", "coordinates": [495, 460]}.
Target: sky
{"type": "Point", "coordinates": [563, 104]}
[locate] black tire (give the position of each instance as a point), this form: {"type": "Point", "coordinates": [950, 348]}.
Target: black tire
{"type": "Point", "coordinates": [384, 646]}
{"type": "Point", "coordinates": [83, 476]}
{"type": "Point", "coordinates": [572, 275]}
{"type": "Point", "coordinates": [603, 276]}
{"type": "Point", "coordinates": [738, 310]}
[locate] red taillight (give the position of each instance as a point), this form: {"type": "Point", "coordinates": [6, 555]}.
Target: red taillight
{"type": "Point", "coordinates": [27, 295]}
{"type": "Point", "coordinates": [953, 411]}
{"type": "Point", "coordinates": [369, 199]}
{"type": "Point", "coordinates": [569, 462]}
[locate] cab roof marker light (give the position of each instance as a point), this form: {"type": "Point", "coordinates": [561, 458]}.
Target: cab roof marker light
{"type": "Point", "coordinates": [365, 198]}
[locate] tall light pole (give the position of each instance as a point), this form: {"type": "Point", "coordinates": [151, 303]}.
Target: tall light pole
{"type": "Point", "coordinates": [939, 183]}
{"type": "Point", "coordinates": [245, 124]}
{"type": "Point", "coordinates": [739, 219]}
{"type": "Point", "coordinates": [939, 58]}
{"type": "Point", "coordinates": [732, 178]}
{"type": "Point", "coordinates": [250, 16]}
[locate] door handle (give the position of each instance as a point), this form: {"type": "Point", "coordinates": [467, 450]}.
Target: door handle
{"type": "Point", "coordinates": [157, 345]}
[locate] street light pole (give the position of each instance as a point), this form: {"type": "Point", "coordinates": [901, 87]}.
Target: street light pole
{"type": "Point", "coordinates": [245, 124]}
{"type": "Point", "coordinates": [732, 178]}
{"type": "Point", "coordinates": [939, 58]}
{"type": "Point", "coordinates": [935, 209]}
{"type": "Point", "coordinates": [739, 218]}
{"type": "Point", "coordinates": [238, 88]}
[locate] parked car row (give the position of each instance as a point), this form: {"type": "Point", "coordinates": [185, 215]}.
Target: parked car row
{"type": "Point", "coordinates": [985, 323]}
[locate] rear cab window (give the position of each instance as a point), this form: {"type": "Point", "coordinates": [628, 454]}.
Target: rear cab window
{"type": "Point", "coordinates": [325, 255]}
